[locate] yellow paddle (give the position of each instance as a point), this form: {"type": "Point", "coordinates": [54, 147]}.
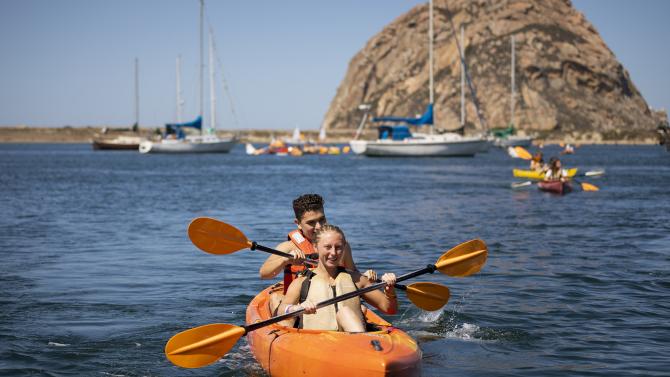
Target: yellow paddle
{"type": "Point", "coordinates": [204, 345]}
{"type": "Point", "coordinates": [521, 152]}
{"type": "Point", "coordinates": [587, 186]}
{"type": "Point", "coordinates": [425, 295]}
{"type": "Point", "coordinates": [216, 237]}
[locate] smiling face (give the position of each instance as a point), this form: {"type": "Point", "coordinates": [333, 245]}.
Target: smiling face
{"type": "Point", "coordinates": [310, 222]}
{"type": "Point", "coordinates": [330, 247]}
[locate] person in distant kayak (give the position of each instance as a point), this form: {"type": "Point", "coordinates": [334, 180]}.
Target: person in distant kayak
{"type": "Point", "coordinates": [309, 217]}
{"type": "Point", "coordinates": [329, 279]}
{"type": "Point", "coordinates": [537, 162]}
{"type": "Point", "coordinates": [556, 171]}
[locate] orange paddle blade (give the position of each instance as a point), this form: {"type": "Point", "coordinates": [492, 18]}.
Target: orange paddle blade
{"type": "Point", "coordinates": [202, 345]}
{"type": "Point", "coordinates": [428, 296]}
{"type": "Point", "coordinates": [464, 259]}
{"type": "Point", "coordinates": [216, 237]}
{"type": "Point", "coordinates": [589, 187]}
{"type": "Point", "coordinates": [521, 152]}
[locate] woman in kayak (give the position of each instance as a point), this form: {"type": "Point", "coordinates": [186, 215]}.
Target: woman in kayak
{"type": "Point", "coordinates": [556, 171]}
{"type": "Point", "coordinates": [328, 280]}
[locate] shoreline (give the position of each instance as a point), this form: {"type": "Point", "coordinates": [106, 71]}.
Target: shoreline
{"type": "Point", "coordinates": [84, 135]}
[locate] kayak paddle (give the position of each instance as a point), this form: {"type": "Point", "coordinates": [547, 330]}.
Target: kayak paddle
{"type": "Point", "coordinates": [203, 345]}
{"type": "Point", "coordinates": [215, 236]}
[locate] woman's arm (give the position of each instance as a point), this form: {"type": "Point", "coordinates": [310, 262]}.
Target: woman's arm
{"type": "Point", "coordinates": [290, 302]}
{"type": "Point", "coordinates": [385, 301]}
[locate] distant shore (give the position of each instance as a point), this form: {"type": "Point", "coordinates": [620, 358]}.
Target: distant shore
{"type": "Point", "coordinates": [82, 135]}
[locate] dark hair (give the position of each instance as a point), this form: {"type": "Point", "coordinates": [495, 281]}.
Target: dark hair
{"type": "Point", "coordinates": [328, 228]}
{"type": "Point", "coordinates": [307, 202]}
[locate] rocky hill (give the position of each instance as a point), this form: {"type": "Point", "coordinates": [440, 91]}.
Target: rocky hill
{"type": "Point", "coordinates": [569, 84]}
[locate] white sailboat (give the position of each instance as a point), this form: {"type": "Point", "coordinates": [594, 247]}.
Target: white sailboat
{"type": "Point", "coordinates": [125, 141]}
{"type": "Point", "coordinates": [207, 141]}
{"type": "Point", "coordinates": [399, 141]}
{"type": "Point", "coordinates": [508, 138]}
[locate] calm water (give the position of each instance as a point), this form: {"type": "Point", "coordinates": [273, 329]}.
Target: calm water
{"type": "Point", "coordinates": [97, 271]}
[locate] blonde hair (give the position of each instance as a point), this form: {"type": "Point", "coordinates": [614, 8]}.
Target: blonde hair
{"type": "Point", "coordinates": [328, 228]}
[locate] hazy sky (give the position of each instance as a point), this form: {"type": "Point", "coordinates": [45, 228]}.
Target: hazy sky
{"type": "Point", "coordinates": [71, 62]}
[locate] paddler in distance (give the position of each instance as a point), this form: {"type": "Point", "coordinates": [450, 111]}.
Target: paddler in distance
{"type": "Point", "coordinates": [309, 217]}
{"type": "Point", "coordinates": [556, 171]}
{"type": "Point", "coordinates": [329, 279]}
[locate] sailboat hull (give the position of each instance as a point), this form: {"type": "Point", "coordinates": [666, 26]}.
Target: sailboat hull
{"type": "Point", "coordinates": [189, 145]}
{"type": "Point", "coordinates": [420, 147]}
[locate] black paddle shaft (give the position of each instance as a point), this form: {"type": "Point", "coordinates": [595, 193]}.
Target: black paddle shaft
{"type": "Point", "coordinates": [427, 270]}
{"type": "Point", "coordinates": [255, 246]}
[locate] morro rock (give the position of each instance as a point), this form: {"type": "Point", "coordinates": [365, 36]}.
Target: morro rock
{"type": "Point", "coordinates": [569, 84]}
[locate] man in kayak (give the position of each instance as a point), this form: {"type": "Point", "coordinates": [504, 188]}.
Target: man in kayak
{"type": "Point", "coordinates": [330, 279]}
{"type": "Point", "coordinates": [309, 217]}
{"type": "Point", "coordinates": [537, 162]}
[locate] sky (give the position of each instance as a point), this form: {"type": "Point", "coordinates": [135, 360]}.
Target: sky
{"type": "Point", "coordinates": [71, 62]}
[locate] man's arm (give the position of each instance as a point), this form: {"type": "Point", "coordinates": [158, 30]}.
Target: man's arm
{"type": "Point", "coordinates": [348, 259]}
{"type": "Point", "coordinates": [275, 263]}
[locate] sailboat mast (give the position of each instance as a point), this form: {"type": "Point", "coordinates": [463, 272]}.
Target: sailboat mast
{"type": "Point", "coordinates": [430, 58]}
{"type": "Point", "coordinates": [179, 101]}
{"type": "Point", "coordinates": [462, 85]}
{"type": "Point", "coordinates": [202, 63]}
{"type": "Point", "coordinates": [137, 92]}
{"type": "Point", "coordinates": [430, 51]}
{"type": "Point", "coordinates": [511, 110]}
{"type": "Point", "coordinates": [212, 88]}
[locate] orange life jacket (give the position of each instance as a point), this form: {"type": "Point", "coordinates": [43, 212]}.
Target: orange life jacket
{"type": "Point", "coordinates": [290, 271]}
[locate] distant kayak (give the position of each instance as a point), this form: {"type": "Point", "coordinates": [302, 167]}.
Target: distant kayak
{"type": "Point", "coordinates": [533, 174]}
{"type": "Point", "coordinates": [556, 187]}
{"type": "Point", "coordinates": [285, 351]}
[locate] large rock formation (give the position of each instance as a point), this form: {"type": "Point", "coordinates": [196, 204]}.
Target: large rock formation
{"type": "Point", "coordinates": [569, 83]}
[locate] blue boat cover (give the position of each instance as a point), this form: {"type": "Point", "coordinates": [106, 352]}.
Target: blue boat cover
{"type": "Point", "coordinates": [197, 123]}
{"type": "Point", "coordinates": [394, 132]}
{"type": "Point", "coordinates": [426, 118]}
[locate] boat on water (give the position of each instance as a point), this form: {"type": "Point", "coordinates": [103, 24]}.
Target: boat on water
{"type": "Point", "coordinates": [121, 142]}
{"type": "Point", "coordinates": [106, 141]}
{"type": "Point", "coordinates": [383, 350]}
{"type": "Point", "coordinates": [539, 175]}
{"type": "Point", "coordinates": [175, 140]}
{"type": "Point", "coordinates": [555, 187]}
{"type": "Point", "coordinates": [507, 137]}
{"type": "Point", "coordinates": [396, 140]}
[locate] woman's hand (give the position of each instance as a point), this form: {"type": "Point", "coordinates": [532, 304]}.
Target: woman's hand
{"type": "Point", "coordinates": [310, 307]}
{"type": "Point", "coordinates": [389, 278]}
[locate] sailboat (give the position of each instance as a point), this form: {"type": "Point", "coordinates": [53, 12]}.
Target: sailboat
{"type": "Point", "coordinates": [507, 137]}
{"type": "Point", "coordinates": [176, 140]}
{"type": "Point", "coordinates": [396, 139]}
{"type": "Point", "coordinates": [125, 141]}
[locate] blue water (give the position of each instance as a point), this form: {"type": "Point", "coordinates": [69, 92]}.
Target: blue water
{"type": "Point", "coordinates": [97, 271]}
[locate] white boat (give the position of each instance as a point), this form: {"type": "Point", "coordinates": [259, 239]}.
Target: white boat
{"type": "Point", "coordinates": [107, 141]}
{"type": "Point", "coordinates": [400, 142]}
{"type": "Point", "coordinates": [207, 141]}
{"type": "Point", "coordinates": [419, 145]}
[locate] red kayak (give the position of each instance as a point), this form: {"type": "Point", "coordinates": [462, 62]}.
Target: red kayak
{"type": "Point", "coordinates": [556, 187]}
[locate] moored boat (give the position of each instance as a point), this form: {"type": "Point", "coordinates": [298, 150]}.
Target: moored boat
{"type": "Point", "coordinates": [285, 351]}
{"type": "Point", "coordinates": [534, 174]}
{"type": "Point", "coordinates": [556, 187]}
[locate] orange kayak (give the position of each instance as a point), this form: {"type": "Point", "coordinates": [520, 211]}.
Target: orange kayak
{"type": "Point", "coordinates": [287, 351]}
